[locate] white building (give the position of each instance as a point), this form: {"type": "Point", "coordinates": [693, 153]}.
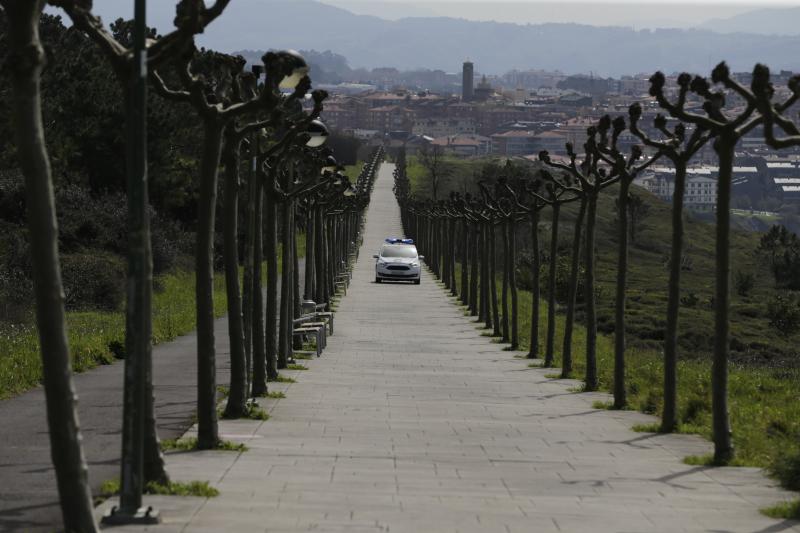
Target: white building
{"type": "Point", "coordinates": [443, 126]}
{"type": "Point", "coordinates": [700, 193]}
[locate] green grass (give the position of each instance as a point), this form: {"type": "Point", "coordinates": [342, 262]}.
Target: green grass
{"type": "Point", "coordinates": [98, 337]}
{"type": "Point", "coordinates": [257, 413]}
{"type": "Point", "coordinates": [708, 460]}
{"type": "Point", "coordinates": [190, 444]}
{"type": "Point", "coordinates": [199, 489]}
{"type": "Point", "coordinates": [655, 427]}
{"type": "Point", "coordinates": [764, 404]}
{"type": "Point", "coordinates": [784, 510]}
{"type": "Point", "coordinates": [276, 395]}
{"type": "Point", "coordinates": [284, 379]}
{"type": "Point", "coordinates": [296, 367]}
{"type": "Point", "coordinates": [553, 376]}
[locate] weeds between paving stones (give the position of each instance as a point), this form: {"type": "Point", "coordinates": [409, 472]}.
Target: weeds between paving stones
{"type": "Point", "coordinates": [200, 489]}
{"type": "Point", "coordinates": [548, 376]}
{"type": "Point", "coordinates": [190, 444]}
{"type": "Point", "coordinates": [283, 379]}
{"type": "Point", "coordinates": [276, 395]}
{"type": "Point", "coordinates": [257, 413]}
{"type": "Point", "coordinates": [296, 367]}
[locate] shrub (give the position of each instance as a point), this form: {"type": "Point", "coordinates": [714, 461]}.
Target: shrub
{"type": "Point", "coordinates": [744, 282]}
{"type": "Point", "coordinates": [695, 408]}
{"type": "Point", "coordinates": [786, 469]}
{"type": "Point", "coordinates": [690, 300]}
{"type": "Point", "coordinates": [783, 312]}
{"type": "Point", "coordinates": [93, 281]}
{"type": "Point", "coordinates": [86, 221]}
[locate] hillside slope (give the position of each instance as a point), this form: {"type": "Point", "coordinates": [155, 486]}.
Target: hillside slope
{"type": "Point", "coordinates": [753, 341]}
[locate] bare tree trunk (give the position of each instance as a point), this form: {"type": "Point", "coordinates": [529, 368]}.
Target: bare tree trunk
{"type": "Point", "coordinates": [620, 394]}
{"type": "Point", "coordinates": [572, 292]}
{"type": "Point", "coordinates": [237, 395]}
{"type": "Point", "coordinates": [25, 61]}
{"type": "Point", "coordinates": [297, 306]}
{"type": "Point", "coordinates": [139, 308]}
{"type": "Point", "coordinates": [512, 283]}
{"type": "Point", "coordinates": [493, 279]}
{"type": "Point", "coordinates": [533, 352]}
{"type": "Point", "coordinates": [484, 307]}
{"type": "Point", "coordinates": [723, 445]}
{"type": "Point", "coordinates": [208, 432]}
{"type": "Point", "coordinates": [260, 373]}
{"type": "Point", "coordinates": [308, 292]}
{"type": "Point", "coordinates": [474, 274]}
{"type": "Point", "coordinates": [669, 416]}
{"type": "Point", "coordinates": [287, 294]}
{"type": "Point", "coordinates": [591, 310]}
{"type": "Point", "coordinates": [504, 322]}
{"type": "Point", "coordinates": [319, 267]}
{"type": "Point", "coordinates": [452, 253]}
{"type": "Point", "coordinates": [249, 263]}
{"type": "Point", "coordinates": [549, 354]}
{"type": "Point", "coordinates": [465, 263]}
{"type": "Point", "coordinates": [271, 313]}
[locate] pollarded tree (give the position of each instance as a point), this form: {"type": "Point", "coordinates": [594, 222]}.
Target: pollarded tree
{"type": "Point", "coordinates": [773, 111]}
{"type": "Point", "coordinates": [627, 170]}
{"type": "Point", "coordinates": [593, 177]}
{"type": "Point", "coordinates": [679, 149]}
{"type": "Point", "coordinates": [25, 62]}
{"type": "Point", "coordinates": [207, 88]}
{"type": "Point", "coordinates": [727, 129]}
{"type": "Point", "coordinates": [131, 71]}
{"type": "Point", "coordinates": [524, 197]}
{"type": "Point", "coordinates": [554, 195]}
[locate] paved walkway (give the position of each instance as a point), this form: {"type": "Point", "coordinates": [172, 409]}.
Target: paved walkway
{"type": "Point", "coordinates": [28, 494]}
{"type": "Point", "coordinates": [413, 422]}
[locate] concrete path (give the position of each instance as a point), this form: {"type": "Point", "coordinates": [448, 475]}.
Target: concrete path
{"type": "Point", "coordinates": [28, 495]}
{"type": "Point", "coordinates": [413, 422]}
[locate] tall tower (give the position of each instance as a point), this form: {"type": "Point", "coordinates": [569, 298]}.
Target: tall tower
{"type": "Point", "coordinates": [467, 75]}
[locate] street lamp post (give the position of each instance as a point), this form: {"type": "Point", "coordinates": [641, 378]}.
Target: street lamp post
{"type": "Point", "coordinates": [139, 293]}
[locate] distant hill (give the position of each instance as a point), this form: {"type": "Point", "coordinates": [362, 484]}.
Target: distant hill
{"type": "Point", "coordinates": [443, 43]}
{"type": "Point", "coordinates": [773, 21]}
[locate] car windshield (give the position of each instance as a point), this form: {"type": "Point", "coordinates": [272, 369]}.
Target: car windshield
{"type": "Point", "coordinates": [395, 250]}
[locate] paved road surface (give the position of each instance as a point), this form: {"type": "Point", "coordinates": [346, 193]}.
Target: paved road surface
{"type": "Point", "coordinates": [413, 422]}
{"type": "Point", "coordinates": [28, 496]}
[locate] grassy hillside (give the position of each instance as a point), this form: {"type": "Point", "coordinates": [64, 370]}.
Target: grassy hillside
{"type": "Point", "coordinates": [753, 341]}
{"type": "Point", "coordinates": [765, 369]}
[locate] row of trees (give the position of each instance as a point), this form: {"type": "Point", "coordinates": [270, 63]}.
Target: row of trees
{"type": "Point", "coordinates": [718, 111]}
{"type": "Point", "coordinates": [247, 122]}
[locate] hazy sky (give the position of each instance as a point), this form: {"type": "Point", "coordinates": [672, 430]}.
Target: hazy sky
{"type": "Point", "coordinates": [633, 13]}
{"type": "Point", "coordinates": [637, 13]}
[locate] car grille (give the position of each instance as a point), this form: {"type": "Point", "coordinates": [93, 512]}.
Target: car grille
{"type": "Point", "coordinates": [397, 267]}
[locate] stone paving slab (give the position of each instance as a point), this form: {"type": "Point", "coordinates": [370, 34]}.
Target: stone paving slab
{"type": "Point", "coordinates": [413, 421]}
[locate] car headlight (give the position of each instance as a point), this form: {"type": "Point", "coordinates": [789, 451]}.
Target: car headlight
{"type": "Point", "coordinates": [414, 264]}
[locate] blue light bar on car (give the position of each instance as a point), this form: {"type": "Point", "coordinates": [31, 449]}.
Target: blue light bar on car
{"type": "Point", "coordinates": [397, 240]}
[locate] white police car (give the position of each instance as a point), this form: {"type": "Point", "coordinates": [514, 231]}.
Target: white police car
{"type": "Point", "coordinates": [398, 261]}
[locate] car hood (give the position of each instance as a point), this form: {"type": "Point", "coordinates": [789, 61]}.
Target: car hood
{"type": "Point", "coordinates": [400, 260]}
